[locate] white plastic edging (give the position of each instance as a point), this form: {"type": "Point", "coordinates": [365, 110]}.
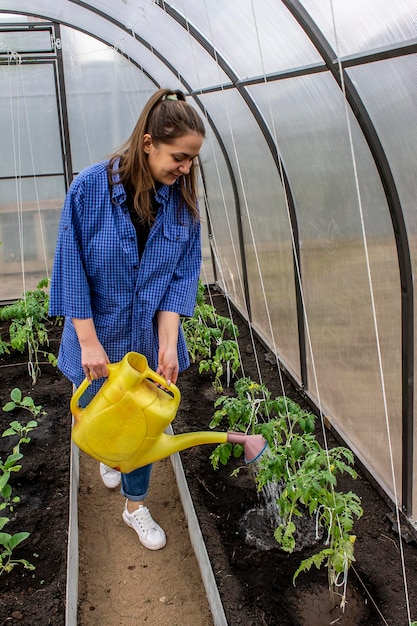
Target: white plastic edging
{"type": "Point", "coordinates": [71, 603]}
{"type": "Point", "coordinates": [197, 541]}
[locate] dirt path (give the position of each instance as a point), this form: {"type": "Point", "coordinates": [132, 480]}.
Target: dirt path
{"type": "Point", "coordinates": [120, 582]}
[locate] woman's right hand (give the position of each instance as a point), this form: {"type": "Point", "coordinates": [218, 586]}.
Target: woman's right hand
{"type": "Point", "coordinates": [94, 359]}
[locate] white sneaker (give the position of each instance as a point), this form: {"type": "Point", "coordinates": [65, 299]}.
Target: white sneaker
{"type": "Point", "coordinates": [110, 477]}
{"type": "Point", "coordinates": [149, 532]}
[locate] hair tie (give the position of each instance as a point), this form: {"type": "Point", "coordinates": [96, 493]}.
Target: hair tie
{"type": "Point", "coordinates": [171, 96]}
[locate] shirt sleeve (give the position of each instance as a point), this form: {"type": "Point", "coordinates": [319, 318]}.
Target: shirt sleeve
{"type": "Point", "coordinates": [180, 296]}
{"type": "Point", "coordinates": [70, 293]}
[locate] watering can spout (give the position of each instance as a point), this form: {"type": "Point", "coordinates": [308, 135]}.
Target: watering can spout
{"type": "Point", "coordinates": [253, 445]}
{"type": "Point", "coordinates": [166, 445]}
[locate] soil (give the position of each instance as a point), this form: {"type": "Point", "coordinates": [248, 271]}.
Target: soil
{"type": "Point", "coordinates": [38, 596]}
{"type": "Point", "coordinates": [122, 583]}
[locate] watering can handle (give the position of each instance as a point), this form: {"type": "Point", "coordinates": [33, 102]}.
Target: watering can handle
{"type": "Point", "coordinates": [160, 380]}
{"type": "Point", "coordinates": [75, 409]}
{"type": "Point", "coordinates": [173, 390]}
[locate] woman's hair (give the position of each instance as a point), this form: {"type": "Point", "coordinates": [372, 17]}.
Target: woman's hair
{"type": "Point", "coordinates": [165, 117]}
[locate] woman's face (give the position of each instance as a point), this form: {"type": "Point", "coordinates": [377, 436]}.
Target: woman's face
{"type": "Point", "coordinates": [168, 161]}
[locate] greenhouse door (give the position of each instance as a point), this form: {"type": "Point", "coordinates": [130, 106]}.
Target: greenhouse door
{"type": "Point", "coordinates": [34, 173]}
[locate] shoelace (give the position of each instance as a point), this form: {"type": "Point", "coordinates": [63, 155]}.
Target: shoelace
{"type": "Point", "coordinates": [109, 470]}
{"type": "Point", "coordinates": [144, 519]}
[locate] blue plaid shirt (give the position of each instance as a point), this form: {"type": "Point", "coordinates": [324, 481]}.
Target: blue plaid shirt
{"type": "Point", "coordinates": [97, 273]}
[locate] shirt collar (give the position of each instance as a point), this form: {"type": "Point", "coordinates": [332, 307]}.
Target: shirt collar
{"type": "Point", "coordinates": [119, 193]}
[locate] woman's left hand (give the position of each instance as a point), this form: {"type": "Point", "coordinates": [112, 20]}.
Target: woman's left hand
{"type": "Point", "coordinates": [168, 365]}
{"type": "Point", "coordinates": [168, 323]}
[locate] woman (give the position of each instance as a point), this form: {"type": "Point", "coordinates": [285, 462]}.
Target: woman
{"type": "Point", "coordinates": [127, 264]}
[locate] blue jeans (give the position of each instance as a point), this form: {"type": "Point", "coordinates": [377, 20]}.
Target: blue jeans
{"type": "Point", "coordinates": [135, 485]}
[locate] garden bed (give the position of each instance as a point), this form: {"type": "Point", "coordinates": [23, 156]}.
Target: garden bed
{"type": "Point", "coordinates": [255, 584]}
{"type": "Point", "coordinates": [38, 596]}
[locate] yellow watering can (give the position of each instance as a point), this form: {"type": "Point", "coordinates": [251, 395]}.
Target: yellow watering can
{"type": "Point", "coordinates": [123, 424]}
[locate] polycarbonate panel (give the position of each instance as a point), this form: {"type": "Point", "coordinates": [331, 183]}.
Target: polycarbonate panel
{"type": "Point", "coordinates": [13, 17]}
{"type": "Point", "coordinates": [312, 133]}
{"type": "Point", "coordinates": [265, 225]}
{"type": "Point", "coordinates": [30, 210]}
{"type": "Point", "coordinates": [29, 126]}
{"type": "Point", "coordinates": [25, 41]}
{"type": "Point", "coordinates": [389, 91]}
{"type": "Point", "coordinates": [255, 38]}
{"type": "Point", "coordinates": [102, 28]}
{"type": "Point", "coordinates": [221, 215]}
{"type": "Point", "coordinates": [207, 269]}
{"type": "Point", "coordinates": [362, 25]}
{"type": "Point", "coordinates": [176, 44]}
{"type": "Point", "coordinates": [96, 75]}
{"type": "Point", "coordinates": [165, 36]}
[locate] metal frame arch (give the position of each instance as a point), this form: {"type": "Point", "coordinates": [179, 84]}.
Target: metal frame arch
{"type": "Point", "coordinates": [56, 20]}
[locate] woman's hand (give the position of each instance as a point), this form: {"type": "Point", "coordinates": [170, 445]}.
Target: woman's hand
{"type": "Point", "coordinates": [168, 323]}
{"type": "Point", "coordinates": [94, 359]}
{"type": "Point", "coordinates": [168, 365]}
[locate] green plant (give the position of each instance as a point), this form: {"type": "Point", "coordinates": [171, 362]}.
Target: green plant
{"type": "Point", "coordinates": [12, 465]}
{"type": "Point", "coordinates": [305, 473]}
{"type": "Point", "coordinates": [18, 401]}
{"type": "Point", "coordinates": [27, 327]}
{"type": "Point", "coordinates": [211, 341]}
{"type": "Point", "coordinates": [250, 406]}
{"type": "Point", "coordinates": [4, 346]}
{"type": "Point", "coordinates": [225, 357]}
{"type": "Point", "coordinates": [7, 544]}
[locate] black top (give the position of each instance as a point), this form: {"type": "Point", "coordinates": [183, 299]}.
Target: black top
{"type": "Point", "coordinates": [142, 226]}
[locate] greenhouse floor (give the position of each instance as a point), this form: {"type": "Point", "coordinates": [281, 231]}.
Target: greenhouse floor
{"type": "Point", "coordinates": [120, 582]}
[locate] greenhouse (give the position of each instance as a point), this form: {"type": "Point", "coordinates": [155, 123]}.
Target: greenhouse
{"type": "Point", "coordinates": [307, 184]}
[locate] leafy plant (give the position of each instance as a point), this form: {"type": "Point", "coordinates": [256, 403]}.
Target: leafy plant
{"type": "Point", "coordinates": [12, 464]}
{"type": "Point", "coordinates": [7, 544]}
{"type": "Point", "coordinates": [225, 357]}
{"type": "Point", "coordinates": [18, 401]}
{"type": "Point", "coordinates": [4, 346]}
{"type": "Point", "coordinates": [250, 405]}
{"type": "Point", "coordinates": [305, 472]}
{"type": "Point", "coordinates": [211, 341]}
{"type": "Point", "coordinates": [27, 328]}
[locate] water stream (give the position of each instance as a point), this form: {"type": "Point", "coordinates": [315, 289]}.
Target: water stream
{"type": "Point", "coordinates": [260, 522]}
